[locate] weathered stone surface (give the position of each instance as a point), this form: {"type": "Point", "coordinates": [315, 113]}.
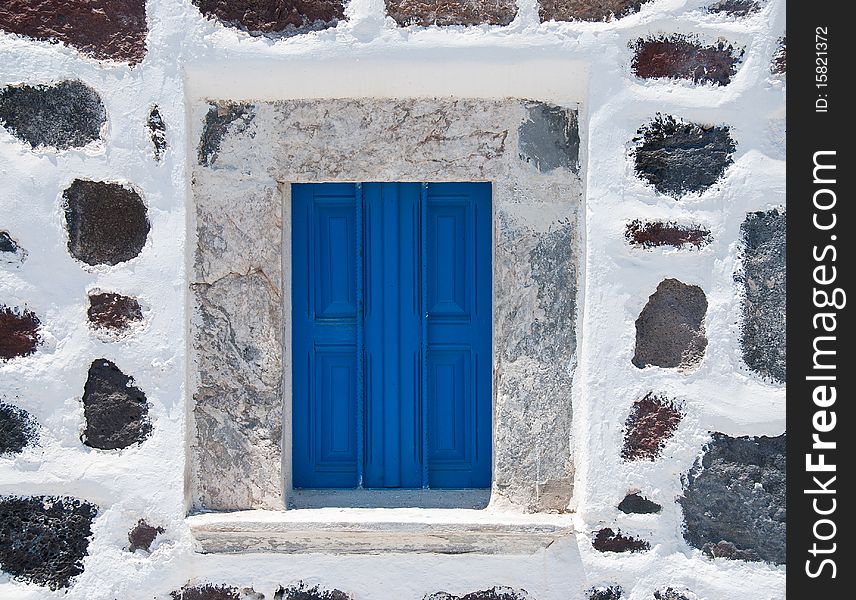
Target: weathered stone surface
{"type": "Point", "coordinates": [636, 504]}
{"type": "Point", "coordinates": [222, 118]}
{"type": "Point", "coordinates": [763, 334]}
{"type": "Point", "coordinates": [103, 29]}
{"type": "Point", "coordinates": [142, 535]}
{"type": "Point", "coordinates": [673, 594]}
{"type": "Point", "coordinates": [303, 591]}
{"type": "Point", "coordinates": [11, 252]}
{"type": "Point", "coordinates": [453, 12]}
{"type": "Point", "coordinates": [651, 422]}
{"type": "Point", "coordinates": [157, 132]}
{"type": "Point", "coordinates": [587, 10]}
{"type": "Point", "coordinates": [66, 115]}
{"type": "Point", "coordinates": [685, 57]}
{"type": "Point", "coordinates": [734, 499]}
{"type": "Point", "coordinates": [209, 591]}
{"type": "Point", "coordinates": [18, 429]}
{"type": "Point", "coordinates": [113, 312]}
{"type": "Point", "coordinates": [19, 333]}
{"type": "Point", "coordinates": [494, 593]}
{"type": "Point", "coordinates": [43, 539]}
{"type": "Point", "coordinates": [736, 8]}
{"type": "Point", "coordinates": [779, 66]}
{"type": "Point", "coordinates": [550, 138]}
{"type": "Point", "coordinates": [607, 540]}
{"type": "Point", "coordinates": [283, 17]}
{"type": "Point", "coordinates": [612, 592]}
{"type": "Point", "coordinates": [678, 158]}
{"type": "Point", "coordinates": [107, 222]}
{"type": "Point", "coordinates": [651, 234]}
{"type": "Point", "coordinates": [670, 329]}
{"type": "Point", "coordinates": [116, 411]}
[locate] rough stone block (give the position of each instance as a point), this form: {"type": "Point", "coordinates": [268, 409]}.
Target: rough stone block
{"type": "Point", "coordinates": [636, 504]}
{"type": "Point", "coordinates": [18, 429]}
{"type": "Point", "coordinates": [283, 17]}
{"type": "Point", "coordinates": [11, 252]}
{"type": "Point", "coordinates": [103, 29]}
{"type": "Point", "coordinates": [142, 535]}
{"type": "Point", "coordinates": [685, 57]}
{"type": "Point", "coordinates": [303, 591]}
{"type": "Point", "coordinates": [673, 594]}
{"type": "Point", "coordinates": [116, 411]}
{"type": "Point", "coordinates": [612, 592]}
{"type": "Point", "coordinates": [66, 115]}
{"type": "Point", "coordinates": [734, 499]}
{"type": "Point", "coordinates": [157, 132]}
{"type": "Point", "coordinates": [107, 222]}
{"type": "Point", "coordinates": [222, 118]}
{"type": "Point", "coordinates": [113, 312]}
{"type": "Point", "coordinates": [779, 66]}
{"type": "Point", "coordinates": [736, 8]}
{"type": "Point", "coordinates": [652, 421]}
{"type": "Point", "coordinates": [764, 278]}
{"type": "Point", "coordinates": [43, 539]}
{"type": "Point", "coordinates": [588, 10]}
{"type": "Point", "coordinates": [670, 329]}
{"type": "Point", "coordinates": [452, 12]}
{"type": "Point", "coordinates": [607, 540]}
{"type": "Point", "coordinates": [651, 234]}
{"type": "Point", "coordinates": [19, 333]}
{"type": "Point", "coordinates": [550, 138]}
{"type": "Point", "coordinates": [678, 158]}
{"type": "Point", "coordinates": [210, 591]}
{"type": "Point", "coordinates": [494, 593]}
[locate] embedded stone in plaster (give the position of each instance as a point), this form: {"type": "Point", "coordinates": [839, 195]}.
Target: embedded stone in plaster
{"type": "Point", "coordinates": [764, 278]}
{"type": "Point", "coordinates": [636, 504]}
{"type": "Point", "coordinates": [494, 593]}
{"type": "Point", "coordinates": [607, 540]}
{"type": "Point", "coordinates": [452, 12]}
{"type": "Point", "coordinates": [652, 421]}
{"type": "Point", "coordinates": [113, 312]}
{"type": "Point", "coordinates": [18, 429]}
{"type": "Point", "coordinates": [679, 158]}
{"type": "Point", "coordinates": [210, 591]}
{"type": "Point", "coordinates": [11, 252]}
{"type": "Point", "coordinates": [222, 118]}
{"type": "Point", "coordinates": [116, 411]}
{"type": "Point", "coordinates": [282, 17]}
{"type": "Point", "coordinates": [673, 594]}
{"type": "Point", "coordinates": [65, 115]}
{"type": "Point", "coordinates": [779, 66]}
{"type": "Point", "coordinates": [157, 132]}
{"type": "Point", "coordinates": [736, 8]}
{"type": "Point", "coordinates": [684, 57]}
{"type": "Point", "coordinates": [651, 234]}
{"type": "Point", "coordinates": [613, 592]}
{"type": "Point", "coordinates": [670, 329]}
{"type": "Point", "coordinates": [103, 29]}
{"type": "Point", "coordinates": [142, 535]}
{"type": "Point", "coordinates": [734, 499]}
{"type": "Point", "coordinates": [550, 138]}
{"type": "Point", "coordinates": [107, 222]}
{"type": "Point", "coordinates": [303, 591]}
{"type": "Point", "coordinates": [587, 10]}
{"type": "Point", "coordinates": [43, 539]}
{"type": "Point", "coordinates": [19, 333]}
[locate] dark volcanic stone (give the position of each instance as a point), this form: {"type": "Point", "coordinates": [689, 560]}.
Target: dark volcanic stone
{"type": "Point", "coordinates": [672, 594]}
{"type": "Point", "coordinates": [43, 539]}
{"type": "Point", "coordinates": [612, 592]}
{"type": "Point", "coordinates": [207, 592]}
{"type": "Point", "coordinates": [608, 540]}
{"type": "Point", "coordinates": [284, 17]}
{"type": "Point", "coordinates": [218, 121]}
{"type": "Point", "coordinates": [302, 591]}
{"type": "Point", "coordinates": [116, 412]}
{"type": "Point", "coordinates": [734, 499]}
{"type": "Point", "coordinates": [764, 279]}
{"type": "Point", "coordinates": [678, 158]}
{"type": "Point", "coordinates": [7, 244]}
{"type": "Point", "coordinates": [107, 222]}
{"type": "Point", "coordinates": [11, 252]}
{"type": "Point", "coordinates": [494, 593]}
{"type": "Point", "coordinates": [66, 115]}
{"type": "Point", "coordinates": [113, 312]}
{"type": "Point", "coordinates": [684, 57]}
{"type": "Point", "coordinates": [18, 429]}
{"type": "Point", "coordinates": [588, 10]}
{"type": "Point", "coordinates": [157, 131]}
{"type": "Point", "coordinates": [636, 504]}
{"type": "Point", "coordinates": [19, 333]}
{"type": "Point", "coordinates": [103, 29]}
{"type": "Point", "coordinates": [650, 234]}
{"type": "Point", "coordinates": [670, 329]}
{"type": "Point", "coordinates": [735, 8]}
{"type": "Point", "coordinates": [651, 422]}
{"type": "Point", "coordinates": [780, 59]}
{"type": "Point", "coordinates": [452, 12]}
{"type": "Point", "coordinates": [142, 536]}
{"type": "Point", "coordinates": [550, 138]}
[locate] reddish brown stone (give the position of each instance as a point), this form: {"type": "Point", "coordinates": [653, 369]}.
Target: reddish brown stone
{"type": "Point", "coordinates": [588, 10]}
{"type": "Point", "coordinates": [780, 59]}
{"type": "Point", "coordinates": [684, 57]}
{"type": "Point", "coordinates": [452, 12]}
{"type": "Point", "coordinates": [650, 234]}
{"type": "Point", "coordinates": [142, 536]}
{"type": "Point", "coordinates": [103, 29]}
{"type": "Point", "coordinates": [274, 16]}
{"type": "Point", "coordinates": [19, 333]}
{"type": "Point", "coordinates": [652, 421]}
{"type": "Point", "coordinates": [608, 540]}
{"type": "Point", "coordinates": [113, 311]}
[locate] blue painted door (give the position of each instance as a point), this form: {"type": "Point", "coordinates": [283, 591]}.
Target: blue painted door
{"type": "Point", "coordinates": [391, 335]}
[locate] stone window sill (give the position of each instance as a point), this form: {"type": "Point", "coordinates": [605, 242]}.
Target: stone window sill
{"type": "Point", "coordinates": [377, 530]}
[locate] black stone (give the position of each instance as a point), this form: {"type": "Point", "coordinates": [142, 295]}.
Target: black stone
{"type": "Point", "coordinates": [157, 132]}
{"type": "Point", "coordinates": [142, 536]}
{"type": "Point", "coordinates": [735, 8]}
{"type": "Point", "coordinates": [207, 592]}
{"type": "Point", "coordinates": [116, 411]}
{"type": "Point", "coordinates": [494, 593]}
{"type": "Point", "coordinates": [18, 429]}
{"type": "Point", "coordinates": [218, 121]}
{"type": "Point", "coordinates": [66, 115]}
{"type": "Point", "coordinates": [303, 591]}
{"type": "Point", "coordinates": [107, 222]}
{"type": "Point", "coordinates": [639, 505]}
{"type": "Point", "coordinates": [678, 158]}
{"type": "Point", "coordinates": [550, 138]}
{"type": "Point", "coordinates": [672, 594]}
{"type": "Point", "coordinates": [612, 592]}
{"type": "Point", "coordinates": [43, 539]}
{"type": "Point", "coordinates": [7, 244]}
{"type": "Point", "coordinates": [607, 540]}
{"type": "Point", "coordinates": [734, 499]}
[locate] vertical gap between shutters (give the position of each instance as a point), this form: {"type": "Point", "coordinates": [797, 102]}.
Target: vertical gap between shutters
{"type": "Point", "coordinates": [423, 251]}
{"type": "Point", "coordinates": [358, 237]}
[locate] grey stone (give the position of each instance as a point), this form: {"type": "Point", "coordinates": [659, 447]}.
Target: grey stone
{"type": "Point", "coordinates": [116, 411]}
{"type": "Point", "coordinates": [670, 330]}
{"type": "Point", "coordinates": [220, 118]}
{"type": "Point", "coordinates": [550, 138]}
{"type": "Point", "coordinates": [764, 279]}
{"type": "Point", "coordinates": [18, 429]}
{"type": "Point", "coordinates": [673, 594]}
{"type": "Point", "coordinates": [612, 592]}
{"type": "Point", "coordinates": [736, 8]}
{"type": "Point", "coordinates": [734, 499]}
{"type": "Point", "coordinates": [66, 115]}
{"type": "Point", "coordinates": [157, 132]}
{"type": "Point", "coordinates": [637, 504]}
